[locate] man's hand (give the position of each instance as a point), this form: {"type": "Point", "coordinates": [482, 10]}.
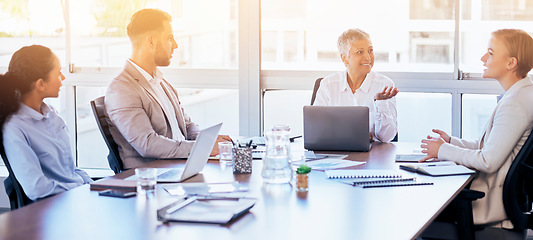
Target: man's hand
{"type": "Point", "coordinates": [220, 138]}
{"type": "Point", "coordinates": [387, 93]}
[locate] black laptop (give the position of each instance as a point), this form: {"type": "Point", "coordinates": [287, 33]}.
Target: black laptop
{"type": "Point", "coordinates": [336, 128]}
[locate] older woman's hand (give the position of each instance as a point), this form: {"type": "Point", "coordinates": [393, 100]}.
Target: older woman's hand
{"type": "Point", "coordinates": [387, 93]}
{"type": "Point", "coordinates": [431, 146]}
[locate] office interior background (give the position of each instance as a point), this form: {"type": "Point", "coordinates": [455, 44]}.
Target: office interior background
{"type": "Point", "coordinates": [252, 63]}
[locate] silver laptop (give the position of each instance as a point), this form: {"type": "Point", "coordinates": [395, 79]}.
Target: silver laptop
{"type": "Point", "coordinates": [197, 159]}
{"type": "Point", "coordinates": [336, 128]}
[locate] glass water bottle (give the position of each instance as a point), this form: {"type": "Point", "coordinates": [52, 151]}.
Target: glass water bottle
{"type": "Point", "coordinates": [276, 167]}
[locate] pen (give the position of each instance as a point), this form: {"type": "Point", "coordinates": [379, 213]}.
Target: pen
{"type": "Point", "coordinates": [291, 139]}
{"type": "Point", "coordinates": [317, 158]}
{"type": "Point", "coordinates": [249, 143]}
{"type": "Point", "coordinates": [206, 197]}
{"type": "Point", "coordinates": [180, 205]}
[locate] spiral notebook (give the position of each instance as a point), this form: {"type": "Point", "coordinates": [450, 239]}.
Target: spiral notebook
{"type": "Point", "coordinates": [363, 173]}
{"type": "Point", "coordinates": [394, 184]}
{"type": "Point", "coordinates": [384, 182]}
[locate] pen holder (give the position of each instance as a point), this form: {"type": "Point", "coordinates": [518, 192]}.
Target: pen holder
{"type": "Point", "coordinates": [242, 159]}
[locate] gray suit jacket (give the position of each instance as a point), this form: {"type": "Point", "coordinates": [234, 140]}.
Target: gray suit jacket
{"type": "Point", "coordinates": [506, 132]}
{"type": "Point", "coordinates": [139, 124]}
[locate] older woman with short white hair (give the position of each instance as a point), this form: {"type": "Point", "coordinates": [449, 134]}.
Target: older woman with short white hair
{"type": "Point", "coordinates": [359, 86]}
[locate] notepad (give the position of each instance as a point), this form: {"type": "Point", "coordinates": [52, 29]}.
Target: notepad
{"type": "Point", "coordinates": [437, 168]}
{"type": "Point", "coordinates": [363, 173]}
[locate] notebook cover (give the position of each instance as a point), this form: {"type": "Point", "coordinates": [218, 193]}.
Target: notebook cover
{"type": "Point", "coordinates": [446, 170]}
{"type": "Point", "coordinates": [116, 184]}
{"type": "Point", "coordinates": [215, 211]}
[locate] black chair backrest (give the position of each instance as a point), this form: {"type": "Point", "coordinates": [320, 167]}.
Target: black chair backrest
{"type": "Point", "coordinates": [17, 197]}
{"type": "Point", "coordinates": [98, 106]}
{"type": "Point", "coordinates": [315, 88]}
{"type": "Point", "coordinates": [518, 188]}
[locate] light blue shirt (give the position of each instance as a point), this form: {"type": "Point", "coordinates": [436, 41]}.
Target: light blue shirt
{"type": "Point", "coordinates": [38, 149]}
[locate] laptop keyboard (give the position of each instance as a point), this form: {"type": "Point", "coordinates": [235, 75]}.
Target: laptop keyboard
{"type": "Point", "coordinates": [171, 174]}
{"type": "Point", "coordinates": [258, 140]}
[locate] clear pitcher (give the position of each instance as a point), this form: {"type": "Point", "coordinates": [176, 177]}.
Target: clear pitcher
{"type": "Point", "coordinates": [276, 167]}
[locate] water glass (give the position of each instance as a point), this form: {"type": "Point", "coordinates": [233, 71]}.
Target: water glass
{"type": "Point", "coordinates": [146, 180]}
{"type": "Point", "coordinates": [224, 152]}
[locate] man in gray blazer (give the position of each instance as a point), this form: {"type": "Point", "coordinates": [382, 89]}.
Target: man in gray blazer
{"type": "Point", "coordinates": [149, 122]}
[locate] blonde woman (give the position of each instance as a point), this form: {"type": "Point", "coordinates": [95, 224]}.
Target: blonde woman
{"type": "Point", "coordinates": [508, 59]}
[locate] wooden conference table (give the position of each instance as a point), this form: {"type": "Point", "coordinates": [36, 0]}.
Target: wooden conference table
{"type": "Point", "coordinates": [329, 210]}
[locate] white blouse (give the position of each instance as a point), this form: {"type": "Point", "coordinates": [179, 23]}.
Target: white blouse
{"type": "Point", "coordinates": [335, 91]}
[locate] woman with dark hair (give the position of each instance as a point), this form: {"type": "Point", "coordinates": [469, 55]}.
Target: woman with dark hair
{"type": "Point", "coordinates": [35, 138]}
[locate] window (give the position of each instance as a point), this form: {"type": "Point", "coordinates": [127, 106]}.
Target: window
{"type": "Point", "coordinates": [506, 10]}
{"type": "Point", "coordinates": [24, 23]}
{"type": "Point", "coordinates": [476, 111]}
{"type": "Point", "coordinates": [486, 17]}
{"type": "Point", "coordinates": [206, 36]}
{"type": "Point", "coordinates": [432, 9]}
{"type": "Point", "coordinates": [418, 113]}
{"type": "Point", "coordinates": [286, 107]}
{"type": "Point", "coordinates": [302, 35]}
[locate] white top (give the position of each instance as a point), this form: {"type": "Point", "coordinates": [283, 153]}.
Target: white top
{"type": "Point", "coordinates": [335, 91]}
{"type": "Point", "coordinates": [162, 99]}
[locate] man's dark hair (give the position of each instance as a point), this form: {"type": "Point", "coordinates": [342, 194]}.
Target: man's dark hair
{"type": "Point", "coordinates": [147, 20]}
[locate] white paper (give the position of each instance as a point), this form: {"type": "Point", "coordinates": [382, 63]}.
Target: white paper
{"type": "Point", "coordinates": [331, 163]}
{"type": "Point", "coordinates": [204, 188]}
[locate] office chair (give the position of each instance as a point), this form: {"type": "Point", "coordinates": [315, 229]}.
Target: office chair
{"type": "Point", "coordinates": [315, 89]}
{"type": "Point", "coordinates": [115, 162]}
{"type": "Point", "coordinates": [518, 188]}
{"type": "Point", "coordinates": [17, 197]}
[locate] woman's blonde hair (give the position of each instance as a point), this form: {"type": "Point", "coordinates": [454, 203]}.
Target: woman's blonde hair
{"type": "Point", "coordinates": [520, 46]}
{"type": "Point", "coordinates": [344, 43]}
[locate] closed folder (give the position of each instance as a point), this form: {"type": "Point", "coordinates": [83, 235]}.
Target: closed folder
{"type": "Point", "coordinates": [115, 184]}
